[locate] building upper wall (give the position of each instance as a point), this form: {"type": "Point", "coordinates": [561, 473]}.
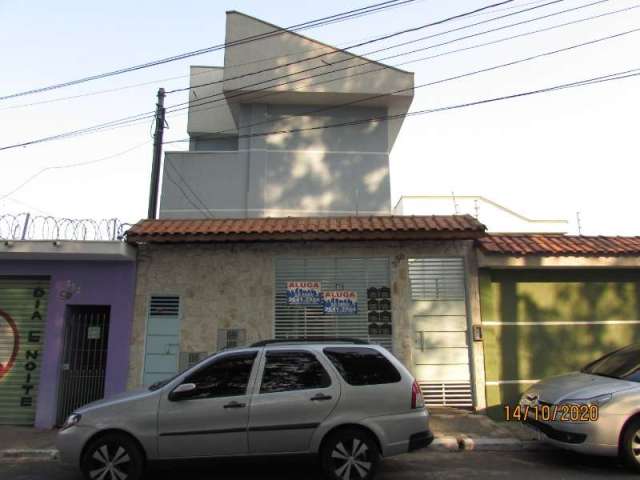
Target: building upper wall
{"type": "Point", "coordinates": [209, 112]}
{"type": "Point", "coordinates": [286, 59]}
{"type": "Point", "coordinates": [293, 70]}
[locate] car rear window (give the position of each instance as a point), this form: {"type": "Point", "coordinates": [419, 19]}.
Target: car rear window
{"type": "Point", "coordinates": [362, 365]}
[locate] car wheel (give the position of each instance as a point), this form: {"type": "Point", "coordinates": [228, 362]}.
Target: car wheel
{"type": "Point", "coordinates": [112, 456]}
{"type": "Point", "coordinates": [630, 447]}
{"type": "Point", "coordinates": [349, 454]}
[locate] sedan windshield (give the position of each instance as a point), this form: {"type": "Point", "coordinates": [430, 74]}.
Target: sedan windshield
{"type": "Point", "coordinates": [623, 364]}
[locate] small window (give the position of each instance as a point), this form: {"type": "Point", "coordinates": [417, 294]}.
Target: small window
{"type": "Point", "coordinates": [227, 376]}
{"type": "Point", "coordinates": [293, 370]}
{"type": "Point", "coordinates": [362, 365]}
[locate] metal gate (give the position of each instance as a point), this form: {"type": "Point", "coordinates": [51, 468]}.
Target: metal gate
{"type": "Point", "coordinates": [84, 357]}
{"type": "Point", "coordinates": [367, 276]}
{"type": "Point", "coordinates": [439, 319]}
{"type": "Point", "coordinates": [23, 311]}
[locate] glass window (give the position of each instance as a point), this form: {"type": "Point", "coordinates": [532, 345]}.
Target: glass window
{"type": "Point", "coordinates": [293, 370]}
{"type": "Point", "coordinates": [362, 365]}
{"type": "Point", "coordinates": [224, 377]}
{"type": "Point", "coordinates": [623, 364]}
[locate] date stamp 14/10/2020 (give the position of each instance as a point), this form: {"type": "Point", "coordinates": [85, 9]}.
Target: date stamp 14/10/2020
{"type": "Point", "coordinates": [565, 412]}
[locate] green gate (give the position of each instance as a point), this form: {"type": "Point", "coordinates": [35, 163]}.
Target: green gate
{"type": "Point", "coordinates": [23, 309]}
{"type": "Point", "coordinates": [540, 323]}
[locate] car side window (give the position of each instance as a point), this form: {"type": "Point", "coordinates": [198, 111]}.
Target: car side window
{"type": "Point", "coordinates": [292, 370]}
{"type": "Point", "coordinates": [362, 366]}
{"type": "Point", "coordinates": [225, 377]}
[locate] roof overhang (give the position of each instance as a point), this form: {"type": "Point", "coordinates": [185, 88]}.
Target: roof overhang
{"type": "Point", "coordinates": [499, 261]}
{"type": "Point", "coordinates": [66, 250]}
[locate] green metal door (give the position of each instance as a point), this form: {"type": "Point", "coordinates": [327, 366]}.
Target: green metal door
{"type": "Point", "coordinates": [541, 323]}
{"type": "Point", "coordinates": [23, 308]}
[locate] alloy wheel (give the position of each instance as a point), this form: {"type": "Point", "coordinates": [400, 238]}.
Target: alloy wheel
{"type": "Point", "coordinates": [635, 445]}
{"type": "Point", "coordinates": [351, 460]}
{"type": "Point", "coordinates": [110, 462]}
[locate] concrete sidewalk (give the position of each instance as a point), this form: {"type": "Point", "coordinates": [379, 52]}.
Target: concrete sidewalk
{"type": "Point", "coordinates": [454, 430]}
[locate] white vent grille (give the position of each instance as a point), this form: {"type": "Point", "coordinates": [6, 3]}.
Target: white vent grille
{"type": "Point", "coordinates": [164, 306]}
{"type": "Point", "coordinates": [437, 278]}
{"type": "Point", "coordinates": [449, 394]}
{"type": "Point", "coordinates": [334, 273]}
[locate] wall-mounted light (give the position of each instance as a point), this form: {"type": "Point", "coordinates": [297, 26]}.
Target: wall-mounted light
{"type": "Point", "coordinates": [57, 243]}
{"type": "Point", "coordinates": [8, 243]}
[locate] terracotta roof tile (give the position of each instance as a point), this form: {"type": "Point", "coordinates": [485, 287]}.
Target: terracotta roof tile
{"type": "Point", "coordinates": [388, 227]}
{"type": "Point", "coordinates": [559, 245]}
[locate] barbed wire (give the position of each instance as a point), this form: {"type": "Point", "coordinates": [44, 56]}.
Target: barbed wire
{"type": "Point", "coordinates": [24, 226]}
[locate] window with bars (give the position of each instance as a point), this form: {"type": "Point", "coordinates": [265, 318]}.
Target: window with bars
{"type": "Point", "coordinates": [357, 274]}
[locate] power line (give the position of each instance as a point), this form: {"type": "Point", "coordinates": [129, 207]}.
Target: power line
{"type": "Point", "coordinates": [71, 165]}
{"type": "Point", "coordinates": [301, 26]}
{"type": "Point", "coordinates": [271, 93]}
{"type": "Point", "coordinates": [223, 97]}
{"type": "Point", "coordinates": [455, 77]}
{"type": "Point", "coordinates": [589, 81]}
{"type": "Point", "coordinates": [357, 45]}
{"type": "Point", "coordinates": [146, 115]}
{"type": "Point", "coordinates": [141, 117]}
{"type": "Point", "coordinates": [203, 208]}
{"type": "Point", "coordinates": [178, 77]}
{"type": "Point", "coordinates": [169, 176]}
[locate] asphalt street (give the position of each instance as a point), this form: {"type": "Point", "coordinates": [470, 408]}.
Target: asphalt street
{"type": "Point", "coordinates": [420, 465]}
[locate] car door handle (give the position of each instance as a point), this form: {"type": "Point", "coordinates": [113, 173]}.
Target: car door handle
{"type": "Point", "coordinates": [235, 405]}
{"type": "Point", "coordinates": [320, 397]}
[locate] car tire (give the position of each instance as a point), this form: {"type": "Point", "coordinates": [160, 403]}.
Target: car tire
{"type": "Point", "coordinates": [349, 454]}
{"type": "Point", "coordinates": [114, 455]}
{"type": "Point", "coordinates": [630, 444]}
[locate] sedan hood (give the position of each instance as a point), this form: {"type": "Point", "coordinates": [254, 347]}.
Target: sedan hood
{"type": "Point", "coordinates": [577, 385]}
{"type": "Point", "coordinates": [131, 395]}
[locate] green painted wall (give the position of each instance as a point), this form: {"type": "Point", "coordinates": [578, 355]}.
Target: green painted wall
{"type": "Point", "coordinates": [526, 347]}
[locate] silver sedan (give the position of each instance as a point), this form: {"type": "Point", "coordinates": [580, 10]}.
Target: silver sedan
{"type": "Point", "coordinates": [595, 410]}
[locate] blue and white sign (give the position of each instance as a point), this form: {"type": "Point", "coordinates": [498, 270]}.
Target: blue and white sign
{"type": "Point", "coordinates": [340, 302]}
{"type": "Point", "coordinates": [304, 293]}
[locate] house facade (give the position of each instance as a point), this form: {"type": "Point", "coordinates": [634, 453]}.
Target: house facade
{"type": "Point", "coordinates": [551, 304]}
{"type": "Point", "coordinates": [65, 320]}
{"type": "Point", "coordinates": [409, 283]}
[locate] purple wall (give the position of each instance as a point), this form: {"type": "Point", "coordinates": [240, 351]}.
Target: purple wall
{"type": "Point", "coordinates": [98, 283]}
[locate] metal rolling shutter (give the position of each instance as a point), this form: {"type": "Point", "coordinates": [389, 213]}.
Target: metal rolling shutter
{"type": "Point", "coordinates": [439, 321]}
{"type": "Point", "coordinates": [23, 306]}
{"type": "Point", "coordinates": [334, 273]}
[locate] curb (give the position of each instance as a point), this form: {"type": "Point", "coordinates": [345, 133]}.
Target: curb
{"type": "Point", "coordinates": [440, 444]}
{"type": "Point", "coordinates": [465, 443]}
{"type": "Point", "coordinates": [29, 454]}
{"type": "Point", "coordinates": [499, 444]}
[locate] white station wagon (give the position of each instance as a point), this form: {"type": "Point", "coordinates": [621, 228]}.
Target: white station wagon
{"type": "Point", "coordinates": [347, 402]}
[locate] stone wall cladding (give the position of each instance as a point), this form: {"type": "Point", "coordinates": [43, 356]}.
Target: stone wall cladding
{"type": "Point", "coordinates": [232, 285]}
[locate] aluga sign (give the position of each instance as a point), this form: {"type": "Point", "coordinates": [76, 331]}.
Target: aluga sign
{"type": "Point", "coordinates": [340, 302]}
{"type": "Point", "coordinates": [304, 293]}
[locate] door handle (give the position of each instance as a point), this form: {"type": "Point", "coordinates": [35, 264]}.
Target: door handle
{"type": "Point", "coordinates": [320, 397]}
{"type": "Point", "coordinates": [235, 405]}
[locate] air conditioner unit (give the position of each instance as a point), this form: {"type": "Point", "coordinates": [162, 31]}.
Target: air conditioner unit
{"type": "Point", "coordinates": [189, 359]}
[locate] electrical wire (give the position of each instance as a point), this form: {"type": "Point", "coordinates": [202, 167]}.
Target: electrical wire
{"type": "Point", "coordinates": [448, 79]}
{"type": "Point", "coordinates": [203, 209]}
{"type": "Point", "coordinates": [589, 81]}
{"type": "Point", "coordinates": [301, 26]}
{"type": "Point", "coordinates": [150, 114]}
{"type": "Point", "coordinates": [71, 165]}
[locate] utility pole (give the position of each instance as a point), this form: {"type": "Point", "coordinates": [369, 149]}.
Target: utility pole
{"type": "Point", "coordinates": [157, 156]}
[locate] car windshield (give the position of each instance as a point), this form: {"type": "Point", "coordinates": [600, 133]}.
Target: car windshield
{"type": "Point", "coordinates": [623, 364]}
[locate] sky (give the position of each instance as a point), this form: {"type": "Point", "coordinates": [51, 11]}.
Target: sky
{"type": "Point", "coordinates": [544, 156]}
